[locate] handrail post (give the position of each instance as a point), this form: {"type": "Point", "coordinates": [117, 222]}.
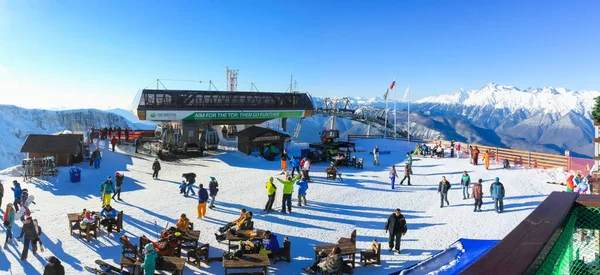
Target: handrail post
{"type": "Point", "coordinates": [529, 158]}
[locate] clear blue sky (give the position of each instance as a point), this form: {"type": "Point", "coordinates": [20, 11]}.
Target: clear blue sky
{"type": "Point", "coordinates": [100, 53]}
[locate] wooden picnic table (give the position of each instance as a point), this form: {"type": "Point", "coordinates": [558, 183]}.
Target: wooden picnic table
{"type": "Point", "coordinates": [178, 262]}
{"type": "Point", "coordinates": [244, 235]}
{"type": "Point", "coordinates": [73, 219]}
{"type": "Point", "coordinates": [189, 239]}
{"type": "Point", "coordinates": [348, 249]}
{"type": "Point", "coordinates": [248, 261]}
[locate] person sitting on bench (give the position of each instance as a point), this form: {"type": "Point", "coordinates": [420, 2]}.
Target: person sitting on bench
{"type": "Point", "coordinates": [164, 247]}
{"type": "Point", "coordinates": [109, 217]}
{"type": "Point", "coordinates": [331, 264]}
{"type": "Point", "coordinates": [240, 219]}
{"type": "Point", "coordinates": [183, 224]}
{"type": "Point", "coordinates": [270, 244]}
{"type": "Point", "coordinates": [243, 224]}
{"type": "Point", "coordinates": [84, 220]}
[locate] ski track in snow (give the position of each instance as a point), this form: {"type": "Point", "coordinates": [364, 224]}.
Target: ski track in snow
{"type": "Point", "coordinates": [362, 201]}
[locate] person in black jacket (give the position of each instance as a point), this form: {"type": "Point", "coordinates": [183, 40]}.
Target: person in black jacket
{"type": "Point", "coordinates": [190, 179]}
{"type": "Point", "coordinates": [119, 177]}
{"type": "Point", "coordinates": [31, 235]}
{"type": "Point", "coordinates": [443, 190]}
{"type": "Point", "coordinates": [396, 228]}
{"type": "Point", "coordinates": [155, 168]}
{"type": "Point", "coordinates": [54, 267]}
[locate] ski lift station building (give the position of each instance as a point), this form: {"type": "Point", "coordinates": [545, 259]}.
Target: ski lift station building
{"type": "Point", "coordinates": [193, 112]}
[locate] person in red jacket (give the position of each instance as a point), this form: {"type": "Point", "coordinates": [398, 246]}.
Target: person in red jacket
{"type": "Point", "coordinates": [113, 142]}
{"type": "Point", "coordinates": [477, 195]}
{"type": "Point", "coordinates": [570, 184]}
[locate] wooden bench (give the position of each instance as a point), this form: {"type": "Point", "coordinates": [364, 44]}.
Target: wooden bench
{"type": "Point", "coordinates": [129, 256]}
{"type": "Point", "coordinates": [90, 230]}
{"type": "Point", "coordinates": [198, 255]}
{"type": "Point", "coordinates": [333, 173]}
{"type": "Point", "coordinates": [243, 235]}
{"type": "Point", "coordinates": [118, 226]}
{"type": "Point", "coordinates": [248, 261]}
{"type": "Point", "coordinates": [73, 219]}
{"type": "Point", "coordinates": [284, 252]}
{"type": "Point", "coordinates": [371, 254]}
{"type": "Point", "coordinates": [348, 249]}
{"type": "Point", "coordinates": [351, 240]}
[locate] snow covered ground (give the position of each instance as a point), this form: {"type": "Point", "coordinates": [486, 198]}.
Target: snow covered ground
{"type": "Point", "coordinates": [362, 201]}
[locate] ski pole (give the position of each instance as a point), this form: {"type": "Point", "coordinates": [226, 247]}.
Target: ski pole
{"type": "Point", "coordinates": [156, 224]}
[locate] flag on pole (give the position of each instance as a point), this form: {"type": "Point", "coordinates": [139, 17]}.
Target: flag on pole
{"type": "Point", "coordinates": [386, 94]}
{"type": "Point", "coordinates": [392, 85]}
{"type": "Point", "coordinates": [406, 92]}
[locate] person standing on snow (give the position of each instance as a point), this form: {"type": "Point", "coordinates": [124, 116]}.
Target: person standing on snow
{"type": "Point", "coordinates": [119, 134]}
{"type": "Point", "coordinates": [54, 267]}
{"type": "Point", "coordinates": [288, 188]}
{"type": "Point", "coordinates": [295, 165]}
{"type": "Point", "coordinates": [303, 186]}
{"type": "Point", "coordinates": [202, 199]}
{"type": "Point", "coordinates": [478, 195]}
{"type": "Point", "coordinates": [1, 192]}
{"type": "Point", "coordinates": [110, 131]}
{"type": "Point", "coordinates": [452, 148]}
{"type": "Point", "coordinates": [271, 192]}
{"type": "Point", "coordinates": [306, 168]}
{"type": "Point", "coordinates": [126, 133]}
{"type": "Point", "coordinates": [213, 188]}
{"type": "Point", "coordinates": [119, 179]}
{"type": "Point", "coordinates": [107, 188]}
{"type": "Point", "coordinates": [497, 191]}
{"type": "Point", "coordinates": [406, 174]}
{"type": "Point", "coordinates": [190, 179]}
{"type": "Point", "coordinates": [18, 194]}
{"type": "Point", "coordinates": [376, 155]}
{"type": "Point", "coordinates": [465, 180]}
{"type": "Point", "coordinates": [149, 264]}
{"type": "Point", "coordinates": [486, 159]}
{"type": "Point", "coordinates": [9, 223]}
{"type": "Point", "coordinates": [570, 184]}
{"type": "Point", "coordinates": [443, 188]}
{"type": "Point", "coordinates": [96, 158]}
{"type": "Point", "coordinates": [155, 168]}
{"type": "Point", "coordinates": [113, 142]}
{"type": "Point", "coordinates": [395, 226]}
{"type": "Point", "coordinates": [284, 159]}
{"type": "Point", "coordinates": [393, 175]}
{"type": "Point", "coordinates": [475, 155]}
{"type": "Point", "coordinates": [409, 161]}
{"type": "Point", "coordinates": [458, 150]}
{"type": "Point", "coordinates": [31, 235]}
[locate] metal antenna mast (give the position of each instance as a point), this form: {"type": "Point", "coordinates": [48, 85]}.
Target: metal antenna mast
{"type": "Point", "coordinates": [232, 76]}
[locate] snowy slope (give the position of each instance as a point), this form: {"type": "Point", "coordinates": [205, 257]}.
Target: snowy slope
{"type": "Point", "coordinates": [362, 201]}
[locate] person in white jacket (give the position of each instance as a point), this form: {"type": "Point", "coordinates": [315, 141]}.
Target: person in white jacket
{"type": "Point", "coordinates": [306, 169]}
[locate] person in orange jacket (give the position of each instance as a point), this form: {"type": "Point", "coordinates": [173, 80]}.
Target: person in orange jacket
{"type": "Point", "coordinates": [570, 184]}
{"type": "Point", "coordinates": [113, 142]}
{"type": "Point", "coordinates": [486, 159]}
{"type": "Point", "coordinates": [475, 155]}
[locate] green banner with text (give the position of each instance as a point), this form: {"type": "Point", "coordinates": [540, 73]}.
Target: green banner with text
{"type": "Point", "coordinates": [243, 115]}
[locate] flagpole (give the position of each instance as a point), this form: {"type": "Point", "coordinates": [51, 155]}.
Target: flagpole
{"type": "Point", "coordinates": [395, 111]}
{"type": "Point", "coordinates": [408, 136]}
{"type": "Point", "coordinates": [385, 113]}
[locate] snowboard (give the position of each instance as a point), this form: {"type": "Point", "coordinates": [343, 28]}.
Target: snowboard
{"type": "Point", "coordinates": [553, 182]}
{"type": "Point", "coordinates": [381, 152]}
{"type": "Point", "coordinates": [105, 268]}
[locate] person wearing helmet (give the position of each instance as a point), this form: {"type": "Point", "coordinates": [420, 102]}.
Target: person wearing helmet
{"type": "Point", "coordinates": [149, 264]}
{"type": "Point", "coordinates": [119, 178]}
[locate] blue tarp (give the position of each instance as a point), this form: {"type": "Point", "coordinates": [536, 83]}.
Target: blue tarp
{"type": "Point", "coordinates": [452, 260]}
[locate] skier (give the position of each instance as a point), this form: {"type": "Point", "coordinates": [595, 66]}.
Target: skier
{"type": "Point", "coordinates": [395, 226]}
{"type": "Point", "coordinates": [107, 188]}
{"type": "Point", "coordinates": [54, 267]}
{"type": "Point", "coordinates": [497, 191]}
{"type": "Point", "coordinates": [149, 264]}
{"type": "Point", "coordinates": [409, 161]}
{"type": "Point", "coordinates": [406, 174]}
{"type": "Point", "coordinates": [213, 189]}
{"type": "Point", "coordinates": [119, 179]}
{"type": "Point", "coordinates": [303, 186]}
{"type": "Point", "coordinates": [475, 155]}
{"type": "Point", "coordinates": [486, 159]}
{"type": "Point", "coordinates": [18, 193]}
{"type": "Point", "coordinates": [190, 180]}
{"type": "Point", "coordinates": [478, 195]}
{"type": "Point", "coordinates": [155, 168]}
{"type": "Point", "coordinates": [95, 159]}
{"type": "Point", "coordinates": [288, 188]}
{"type": "Point", "coordinates": [271, 192]}
{"type": "Point", "coordinates": [31, 235]}
{"type": "Point", "coordinates": [465, 180]}
{"type": "Point", "coordinates": [443, 190]}
{"type": "Point", "coordinates": [9, 222]}
{"type": "Point", "coordinates": [393, 175]}
{"type": "Point", "coordinates": [284, 159]}
{"type": "Point", "coordinates": [570, 184]}
{"type": "Point", "coordinates": [295, 165]}
{"type": "Point", "coordinates": [376, 155]}
{"type": "Point", "coordinates": [202, 199]}
{"type": "Point", "coordinates": [306, 168]}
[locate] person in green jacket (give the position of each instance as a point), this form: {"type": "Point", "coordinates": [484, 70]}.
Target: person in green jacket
{"type": "Point", "coordinates": [288, 188]}
{"type": "Point", "coordinates": [271, 190]}
{"type": "Point", "coordinates": [107, 188]}
{"type": "Point", "coordinates": [149, 264]}
{"type": "Point", "coordinates": [465, 181]}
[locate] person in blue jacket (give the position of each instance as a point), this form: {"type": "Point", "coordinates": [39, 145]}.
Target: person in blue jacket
{"type": "Point", "coordinates": [202, 199]}
{"type": "Point", "coordinates": [295, 165]}
{"type": "Point", "coordinates": [271, 245]}
{"type": "Point", "coordinates": [497, 191]}
{"type": "Point", "coordinates": [18, 194]}
{"type": "Point", "coordinates": [109, 217]}
{"type": "Point", "coordinates": [302, 187]}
